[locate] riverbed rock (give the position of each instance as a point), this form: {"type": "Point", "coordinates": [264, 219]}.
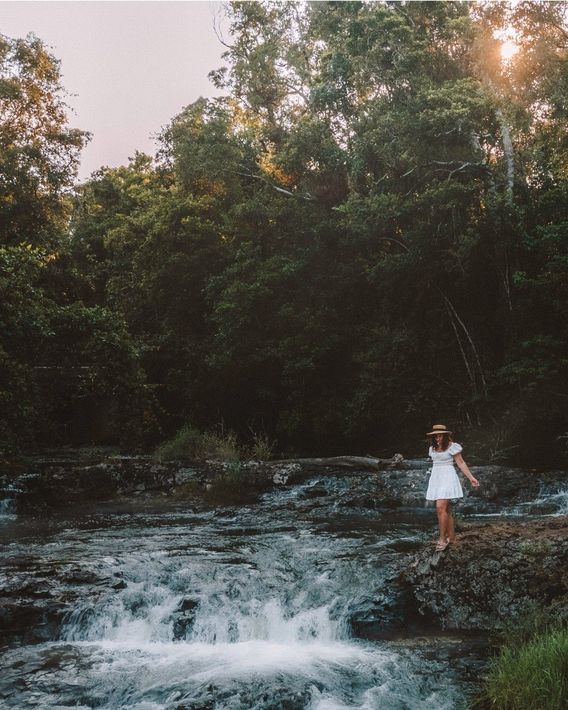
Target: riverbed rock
{"type": "Point", "coordinates": [33, 605]}
{"type": "Point", "coordinates": [59, 483]}
{"type": "Point", "coordinates": [31, 621]}
{"type": "Point", "coordinates": [492, 573]}
{"type": "Point", "coordinates": [184, 619]}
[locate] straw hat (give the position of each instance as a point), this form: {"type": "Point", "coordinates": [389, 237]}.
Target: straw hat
{"type": "Point", "coordinates": [439, 429]}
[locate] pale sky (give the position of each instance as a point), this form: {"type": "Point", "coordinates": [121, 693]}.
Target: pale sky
{"type": "Point", "coordinates": [131, 65]}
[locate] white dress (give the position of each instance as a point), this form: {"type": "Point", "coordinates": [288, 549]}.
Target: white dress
{"type": "Point", "coordinates": [444, 482]}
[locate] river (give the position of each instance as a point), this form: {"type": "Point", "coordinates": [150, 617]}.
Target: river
{"type": "Point", "coordinates": [290, 602]}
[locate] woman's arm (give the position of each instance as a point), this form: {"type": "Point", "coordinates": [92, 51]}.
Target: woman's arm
{"type": "Point", "coordinates": [458, 458]}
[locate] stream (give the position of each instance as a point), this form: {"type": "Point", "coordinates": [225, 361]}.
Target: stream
{"type": "Point", "coordinates": [290, 602]}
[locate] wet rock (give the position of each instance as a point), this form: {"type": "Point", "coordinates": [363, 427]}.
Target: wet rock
{"type": "Point", "coordinates": [30, 621]}
{"type": "Point", "coordinates": [53, 484]}
{"type": "Point", "coordinates": [31, 609]}
{"type": "Point", "coordinates": [492, 572]}
{"type": "Point", "coordinates": [285, 473]}
{"type": "Point", "coordinates": [389, 614]}
{"type": "Point", "coordinates": [36, 596]}
{"type": "Point", "coordinates": [280, 479]}
{"type": "Point", "coordinates": [376, 619]}
{"type": "Point", "coordinates": [314, 492]}
{"type": "Point", "coordinates": [184, 619]}
{"type": "Point", "coordinates": [183, 476]}
{"type": "Point", "coordinates": [188, 605]}
{"type": "Point", "coordinates": [80, 576]}
{"type": "Point", "coordinates": [500, 487]}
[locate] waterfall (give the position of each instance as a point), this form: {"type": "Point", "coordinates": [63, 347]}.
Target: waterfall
{"type": "Point", "coordinates": [282, 591]}
{"type": "Point", "coordinates": [249, 608]}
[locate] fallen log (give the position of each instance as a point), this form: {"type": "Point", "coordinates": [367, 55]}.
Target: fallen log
{"type": "Point", "coordinates": [354, 462]}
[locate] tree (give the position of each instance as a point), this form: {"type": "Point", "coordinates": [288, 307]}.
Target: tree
{"type": "Point", "coordinates": [39, 153]}
{"type": "Point", "coordinates": [61, 361]}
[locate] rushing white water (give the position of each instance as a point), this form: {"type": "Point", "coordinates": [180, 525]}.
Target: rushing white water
{"type": "Point", "coordinates": [249, 609]}
{"type": "Point", "coordinates": [551, 501]}
{"type": "Point", "coordinates": [7, 509]}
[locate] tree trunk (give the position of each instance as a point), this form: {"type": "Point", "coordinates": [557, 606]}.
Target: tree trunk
{"type": "Point", "coordinates": [509, 155]}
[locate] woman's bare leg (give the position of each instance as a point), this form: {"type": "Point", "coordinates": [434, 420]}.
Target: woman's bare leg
{"type": "Point", "coordinates": [450, 530]}
{"type": "Point", "coordinates": [443, 516]}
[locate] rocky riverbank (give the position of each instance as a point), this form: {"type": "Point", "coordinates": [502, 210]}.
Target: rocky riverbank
{"type": "Point", "coordinates": [492, 573]}
{"type": "Point", "coordinates": [45, 484]}
{"type": "Point", "coordinates": [41, 484]}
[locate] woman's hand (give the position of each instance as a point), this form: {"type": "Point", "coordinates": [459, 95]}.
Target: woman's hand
{"type": "Point", "coordinates": [458, 458]}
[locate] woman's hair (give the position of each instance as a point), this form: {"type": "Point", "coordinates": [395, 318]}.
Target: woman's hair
{"type": "Point", "coordinates": [446, 441]}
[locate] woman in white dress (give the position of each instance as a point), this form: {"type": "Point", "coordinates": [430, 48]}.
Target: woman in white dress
{"type": "Point", "coordinates": [444, 485]}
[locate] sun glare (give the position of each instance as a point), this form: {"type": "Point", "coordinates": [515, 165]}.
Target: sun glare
{"type": "Point", "coordinates": [508, 50]}
{"type": "Point", "coordinates": [506, 37]}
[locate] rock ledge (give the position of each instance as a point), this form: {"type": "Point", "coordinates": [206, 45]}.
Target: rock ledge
{"type": "Point", "coordinates": [493, 570]}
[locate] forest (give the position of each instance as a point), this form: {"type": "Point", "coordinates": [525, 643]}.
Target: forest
{"type": "Point", "coordinates": [367, 233]}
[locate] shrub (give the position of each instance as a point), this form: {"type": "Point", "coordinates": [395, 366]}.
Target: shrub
{"type": "Point", "coordinates": [186, 444]}
{"type": "Point", "coordinates": [191, 444]}
{"type": "Point", "coordinates": [531, 672]}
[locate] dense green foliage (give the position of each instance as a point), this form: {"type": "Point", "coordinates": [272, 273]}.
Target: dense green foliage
{"type": "Point", "coordinates": [66, 365]}
{"type": "Point", "coordinates": [367, 234]}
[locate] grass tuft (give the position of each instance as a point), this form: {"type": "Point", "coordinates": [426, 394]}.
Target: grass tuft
{"type": "Point", "coordinates": [531, 672]}
{"type": "Point", "coordinates": [190, 444]}
{"type": "Point", "coordinates": [532, 677]}
{"type": "Point", "coordinates": [262, 447]}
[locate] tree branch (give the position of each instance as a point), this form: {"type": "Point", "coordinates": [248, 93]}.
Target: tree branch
{"type": "Point", "coordinates": [470, 339]}
{"type": "Point", "coordinates": [305, 196]}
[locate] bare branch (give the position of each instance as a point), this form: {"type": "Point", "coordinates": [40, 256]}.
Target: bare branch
{"type": "Point", "coordinates": [396, 241]}
{"type": "Point", "coordinates": [305, 196]}
{"type": "Point", "coordinates": [450, 305]}
{"type": "Point", "coordinates": [452, 166]}
{"type": "Point", "coordinates": [217, 29]}
{"type": "Point", "coordinates": [462, 351]}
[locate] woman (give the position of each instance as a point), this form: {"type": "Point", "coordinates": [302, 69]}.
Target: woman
{"type": "Point", "coordinates": [444, 484]}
